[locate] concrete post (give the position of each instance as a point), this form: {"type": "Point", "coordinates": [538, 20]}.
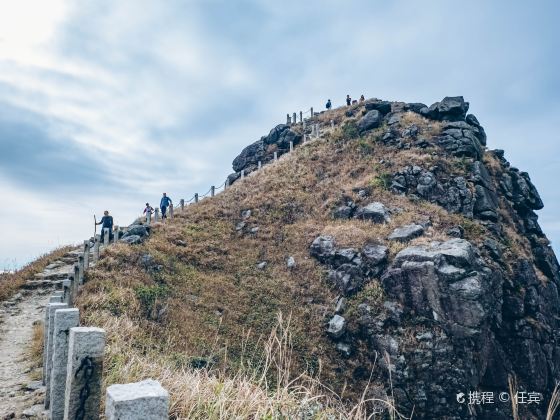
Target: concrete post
{"type": "Point", "coordinates": [82, 396]}
{"type": "Point", "coordinates": [156, 215]}
{"type": "Point", "coordinates": [316, 130]}
{"type": "Point", "coordinates": [67, 288]}
{"type": "Point", "coordinates": [242, 173]}
{"type": "Point", "coordinates": [116, 235]}
{"type": "Point", "coordinates": [332, 123]}
{"type": "Point", "coordinates": [96, 244]}
{"type": "Point", "coordinates": [291, 146]}
{"type": "Point", "coordinates": [275, 156]}
{"type": "Point", "coordinates": [171, 211]}
{"type": "Point", "coordinates": [81, 268]}
{"type": "Point", "coordinates": [312, 112]}
{"type": "Point", "coordinates": [226, 185]}
{"type": "Point", "coordinates": [212, 191]}
{"type": "Point", "coordinates": [86, 254]}
{"type": "Point", "coordinates": [56, 299]}
{"type": "Point", "coordinates": [106, 236]}
{"type": "Point", "coordinates": [259, 165]}
{"type": "Point", "coordinates": [148, 218]}
{"type": "Point", "coordinates": [47, 356]}
{"type": "Point", "coordinates": [304, 124]}
{"type": "Point", "coordinates": [288, 119]}
{"type": "Point", "coordinates": [147, 400]}
{"type": "Point", "coordinates": [64, 319]}
{"type": "Point", "coordinates": [182, 204]}
{"type": "Point", "coordinates": [76, 282]}
{"type": "Point", "coordinates": [301, 116]}
{"type": "Point", "coordinates": [294, 118]}
{"type": "Point", "coordinates": [196, 197]}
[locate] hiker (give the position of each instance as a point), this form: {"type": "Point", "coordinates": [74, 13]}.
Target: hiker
{"type": "Point", "coordinates": [148, 210]}
{"type": "Point", "coordinates": [362, 99]}
{"type": "Point", "coordinates": [348, 100]}
{"type": "Point", "coordinates": [106, 223]}
{"type": "Point", "coordinates": [328, 105]}
{"type": "Point", "coordinates": [163, 204]}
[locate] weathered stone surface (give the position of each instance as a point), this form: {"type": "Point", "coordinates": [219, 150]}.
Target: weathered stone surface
{"type": "Point", "coordinates": [146, 400]}
{"type": "Point", "coordinates": [347, 278]}
{"type": "Point", "coordinates": [323, 248]}
{"type": "Point", "coordinates": [131, 240]}
{"type": "Point", "coordinates": [370, 121]}
{"type": "Point", "coordinates": [384, 107]}
{"type": "Point", "coordinates": [337, 326]}
{"type": "Point", "coordinates": [136, 230]}
{"type": "Point", "coordinates": [376, 212]}
{"type": "Point", "coordinates": [85, 363]}
{"type": "Point", "coordinates": [406, 233]}
{"type": "Point", "coordinates": [48, 349]}
{"type": "Point", "coordinates": [451, 108]}
{"type": "Point", "coordinates": [64, 319]}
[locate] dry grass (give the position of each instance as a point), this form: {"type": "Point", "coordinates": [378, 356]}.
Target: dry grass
{"type": "Point", "coordinates": [10, 283]}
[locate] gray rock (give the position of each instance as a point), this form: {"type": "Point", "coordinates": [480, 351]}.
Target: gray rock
{"type": "Point", "coordinates": [344, 256]}
{"type": "Point", "coordinates": [146, 400]}
{"type": "Point", "coordinates": [347, 278]}
{"type": "Point", "coordinates": [240, 225]}
{"type": "Point", "coordinates": [262, 265]}
{"type": "Point", "coordinates": [406, 233]}
{"type": "Point", "coordinates": [136, 230]}
{"type": "Point", "coordinates": [451, 108]}
{"type": "Point", "coordinates": [131, 240]}
{"type": "Point", "coordinates": [337, 326]}
{"type": "Point", "coordinates": [383, 107]}
{"type": "Point", "coordinates": [376, 212]}
{"type": "Point", "coordinates": [370, 121]}
{"type": "Point", "coordinates": [34, 412]}
{"type": "Point", "coordinates": [245, 214]}
{"type": "Point", "coordinates": [455, 231]}
{"type": "Point", "coordinates": [343, 212]}
{"type": "Point", "coordinates": [344, 348]}
{"type": "Point", "coordinates": [340, 305]}
{"type": "Point", "coordinates": [485, 204]}
{"type": "Point", "coordinates": [291, 262]}
{"type": "Point", "coordinates": [323, 248]}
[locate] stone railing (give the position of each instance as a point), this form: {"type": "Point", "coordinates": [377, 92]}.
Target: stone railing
{"type": "Point", "coordinates": [73, 361]}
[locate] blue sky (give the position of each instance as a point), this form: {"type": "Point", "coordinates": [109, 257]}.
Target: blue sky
{"type": "Point", "coordinates": [107, 104]}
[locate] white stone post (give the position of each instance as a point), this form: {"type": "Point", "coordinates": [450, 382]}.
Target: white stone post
{"type": "Point", "coordinates": [147, 400]}
{"type": "Point", "coordinates": [64, 319]}
{"type": "Point", "coordinates": [106, 236]}
{"type": "Point", "coordinates": [182, 204]}
{"type": "Point", "coordinates": [76, 282]}
{"type": "Point", "coordinates": [156, 215]}
{"type": "Point", "coordinates": [81, 268]}
{"type": "Point", "coordinates": [226, 185]}
{"type": "Point", "coordinates": [332, 123]}
{"type": "Point", "coordinates": [294, 118]}
{"type": "Point", "coordinates": [47, 356]}
{"type": "Point", "coordinates": [86, 254]}
{"type": "Point", "coordinates": [291, 146]}
{"type": "Point", "coordinates": [96, 245]}
{"type": "Point", "coordinates": [67, 288]}
{"type": "Point", "coordinates": [171, 211]}
{"type": "Point", "coordinates": [259, 164]}
{"type": "Point", "coordinates": [82, 397]}
{"type": "Point", "coordinates": [275, 156]}
{"type": "Point", "coordinates": [212, 191]}
{"type": "Point", "coordinates": [116, 235]}
{"type": "Point", "coordinates": [148, 217]}
{"type": "Point", "coordinates": [312, 112]}
{"type": "Point", "coordinates": [288, 119]}
{"type": "Point", "coordinates": [301, 117]}
{"type": "Point", "coordinates": [196, 197]}
{"type": "Point", "coordinates": [316, 130]}
{"type": "Point", "coordinates": [242, 173]}
{"type": "Point", "coordinates": [56, 299]}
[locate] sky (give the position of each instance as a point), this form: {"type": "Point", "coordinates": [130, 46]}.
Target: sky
{"type": "Point", "coordinates": [105, 105]}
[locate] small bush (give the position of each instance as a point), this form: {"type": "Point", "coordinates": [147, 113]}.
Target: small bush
{"type": "Point", "coordinates": [383, 180]}
{"type": "Point", "coordinates": [149, 295]}
{"type": "Point", "coordinates": [350, 130]}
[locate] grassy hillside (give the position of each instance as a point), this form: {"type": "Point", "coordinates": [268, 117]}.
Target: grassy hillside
{"type": "Point", "coordinates": [194, 296]}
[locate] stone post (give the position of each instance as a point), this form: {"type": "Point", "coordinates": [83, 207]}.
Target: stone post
{"type": "Point", "coordinates": [196, 197]}
{"type": "Point", "coordinates": [116, 235]}
{"type": "Point", "coordinates": [294, 118]}
{"type": "Point", "coordinates": [64, 319]}
{"type": "Point", "coordinates": [147, 400]}
{"type": "Point", "coordinates": [226, 185]}
{"type": "Point", "coordinates": [106, 236]}
{"type": "Point", "coordinates": [86, 254]}
{"type": "Point", "coordinates": [76, 282]}
{"type": "Point", "coordinates": [312, 112]}
{"type": "Point", "coordinates": [56, 299]}
{"type": "Point", "coordinates": [82, 397]}
{"type": "Point", "coordinates": [301, 117]}
{"type": "Point", "coordinates": [332, 123]}
{"type": "Point", "coordinates": [67, 288]}
{"type": "Point", "coordinates": [288, 119]}
{"type": "Point", "coordinates": [156, 215]}
{"type": "Point", "coordinates": [291, 146]}
{"type": "Point", "coordinates": [182, 204]}
{"type": "Point", "coordinates": [81, 269]}
{"type": "Point", "coordinates": [47, 355]}
{"type": "Point", "coordinates": [171, 211]}
{"type": "Point", "coordinates": [212, 191]}
{"type": "Point", "coordinates": [148, 218]}
{"type": "Point", "coordinates": [304, 125]}
{"type": "Point", "coordinates": [259, 164]}
{"type": "Point", "coordinates": [275, 156]}
{"type": "Point", "coordinates": [96, 244]}
{"type": "Point", "coordinates": [242, 173]}
{"type": "Point", "coordinates": [316, 130]}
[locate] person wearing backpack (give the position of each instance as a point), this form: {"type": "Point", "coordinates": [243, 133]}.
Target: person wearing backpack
{"type": "Point", "coordinates": [328, 105]}
{"type": "Point", "coordinates": [163, 204]}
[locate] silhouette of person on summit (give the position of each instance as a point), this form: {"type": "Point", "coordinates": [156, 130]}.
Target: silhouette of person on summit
{"type": "Point", "coordinates": [348, 100]}
{"type": "Point", "coordinates": [163, 204]}
{"type": "Point", "coordinates": [328, 105]}
{"type": "Point", "coordinates": [106, 222]}
{"type": "Point", "coordinates": [362, 99]}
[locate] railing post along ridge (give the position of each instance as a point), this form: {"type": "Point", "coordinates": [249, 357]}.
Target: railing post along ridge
{"type": "Point", "coordinates": [182, 204]}
{"type": "Point", "coordinates": [242, 173]}
{"type": "Point", "coordinates": [116, 235]}
{"type": "Point", "coordinates": [294, 118]}
{"type": "Point", "coordinates": [148, 217]}
{"type": "Point", "coordinates": [288, 119]}
{"type": "Point", "coordinates": [301, 116]}
{"type": "Point", "coordinates": [82, 396]}
{"type": "Point", "coordinates": [275, 156]}
{"type": "Point", "coordinates": [126, 402]}
{"type": "Point", "coordinates": [291, 146]}
{"type": "Point", "coordinates": [171, 211]}
{"type": "Point", "coordinates": [106, 236]}
{"type": "Point", "coordinates": [86, 254]}
{"type": "Point", "coordinates": [212, 191]}
{"type": "Point", "coordinates": [259, 165]}
{"type": "Point", "coordinates": [96, 245]}
{"type": "Point", "coordinates": [196, 197]}
{"type": "Point", "coordinates": [312, 114]}
{"type": "Point", "coordinates": [76, 282]}
{"type": "Point", "coordinates": [156, 215]}
{"type": "Point", "coordinates": [48, 349]}
{"type": "Point", "coordinates": [81, 269]}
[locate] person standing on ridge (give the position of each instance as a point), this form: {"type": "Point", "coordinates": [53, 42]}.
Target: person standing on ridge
{"type": "Point", "coordinates": [163, 204]}
{"type": "Point", "coordinates": [328, 105]}
{"type": "Point", "coordinates": [348, 100]}
{"type": "Point", "coordinates": [106, 223]}
{"type": "Point", "coordinates": [148, 210]}
{"type": "Point", "coordinates": [362, 99]}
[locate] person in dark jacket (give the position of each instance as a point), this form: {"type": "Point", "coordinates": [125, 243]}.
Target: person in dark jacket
{"type": "Point", "coordinates": [348, 100]}
{"type": "Point", "coordinates": [163, 204]}
{"type": "Point", "coordinates": [328, 105]}
{"type": "Point", "coordinates": [106, 223]}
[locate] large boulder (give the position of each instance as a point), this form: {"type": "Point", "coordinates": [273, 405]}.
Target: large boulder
{"type": "Point", "coordinates": [383, 107]}
{"type": "Point", "coordinates": [136, 230]}
{"type": "Point", "coordinates": [451, 108]}
{"type": "Point", "coordinates": [376, 212]}
{"type": "Point", "coordinates": [250, 155]}
{"type": "Point", "coordinates": [323, 248]}
{"type": "Point", "coordinates": [370, 121]}
{"type": "Point", "coordinates": [461, 139]}
{"type": "Point", "coordinates": [406, 233]}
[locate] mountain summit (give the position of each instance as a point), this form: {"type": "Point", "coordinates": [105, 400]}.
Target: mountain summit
{"type": "Point", "coordinates": [406, 255]}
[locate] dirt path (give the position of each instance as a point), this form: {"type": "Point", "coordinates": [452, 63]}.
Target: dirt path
{"type": "Point", "coordinates": [21, 391]}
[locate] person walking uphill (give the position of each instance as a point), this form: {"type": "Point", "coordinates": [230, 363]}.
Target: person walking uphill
{"type": "Point", "coordinates": [328, 105]}
{"type": "Point", "coordinates": [163, 204]}
{"type": "Point", "coordinates": [106, 223]}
